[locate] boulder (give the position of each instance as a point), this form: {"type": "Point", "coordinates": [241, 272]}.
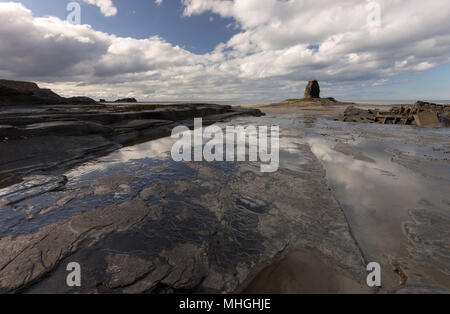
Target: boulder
{"type": "Point", "coordinates": [445, 120]}
{"type": "Point", "coordinates": [427, 119]}
{"type": "Point", "coordinates": [354, 114]}
{"type": "Point", "coordinates": [312, 90]}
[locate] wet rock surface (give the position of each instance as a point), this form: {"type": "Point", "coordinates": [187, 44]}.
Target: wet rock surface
{"type": "Point", "coordinates": [428, 232]}
{"type": "Point", "coordinates": [392, 182]}
{"type": "Point", "coordinates": [136, 221]}
{"type": "Point", "coordinates": [42, 137]}
{"type": "Point", "coordinates": [148, 224]}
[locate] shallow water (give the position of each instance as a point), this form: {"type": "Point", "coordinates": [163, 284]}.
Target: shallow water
{"type": "Point", "coordinates": [379, 174]}
{"type": "Point", "coordinates": [378, 192]}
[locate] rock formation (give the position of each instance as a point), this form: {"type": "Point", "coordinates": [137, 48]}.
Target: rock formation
{"type": "Point", "coordinates": [28, 93]}
{"type": "Point", "coordinates": [312, 90]}
{"type": "Point", "coordinates": [422, 114]}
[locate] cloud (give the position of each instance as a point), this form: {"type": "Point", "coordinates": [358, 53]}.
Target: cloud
{"type": "Point", "coordinates": [279, 33]}
{"type": "Point", "coordinates": [158, 2]}
{"type": "Point", "coordinates": [106, 6]}
{"type": "Point", "coordinates": [280, 45]}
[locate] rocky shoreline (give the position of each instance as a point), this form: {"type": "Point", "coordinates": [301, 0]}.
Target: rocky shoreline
{"type": "Point", "coordinates": [60, 131]}
{"type": "Point", "coordinates": [138, 222]}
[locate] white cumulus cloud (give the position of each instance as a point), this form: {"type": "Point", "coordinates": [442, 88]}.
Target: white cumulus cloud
{"type": "Point", "coordinates": [279, 46]}
{"type": "Point", "coordinates": [106, 6]}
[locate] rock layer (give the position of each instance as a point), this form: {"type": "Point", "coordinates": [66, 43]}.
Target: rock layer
{"type": "Point", "coordinates": [35, 138]}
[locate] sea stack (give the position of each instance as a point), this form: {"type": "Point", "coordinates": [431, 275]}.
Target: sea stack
{"type": "Point", "coordinates": [312, 90]}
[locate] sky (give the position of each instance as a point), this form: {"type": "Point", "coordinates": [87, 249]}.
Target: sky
{"type": "Point", "coordinates": [241, 50]}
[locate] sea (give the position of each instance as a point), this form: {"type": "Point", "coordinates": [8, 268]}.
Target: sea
{"type": "Point", "coordinates": [263, 102]}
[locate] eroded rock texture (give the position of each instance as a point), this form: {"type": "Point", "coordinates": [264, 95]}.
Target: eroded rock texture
{"type": "Point", "coordinates": [429, 236]}
{"type": "Point", "coordinates": [422, 114]}
{"type": "Point", "coordinates": [160, 226]}
{"type": "Point", "coordinates": [38, 136]}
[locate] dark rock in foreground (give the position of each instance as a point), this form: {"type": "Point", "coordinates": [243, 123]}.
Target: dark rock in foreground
{"type": "Point", "coordinates": [312, 90]}
{"type": "Point", "coordinates": [154, 226]}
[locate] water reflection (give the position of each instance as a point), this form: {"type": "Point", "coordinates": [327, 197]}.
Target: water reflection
{"type": "Point", "coordinates": [378, 194]}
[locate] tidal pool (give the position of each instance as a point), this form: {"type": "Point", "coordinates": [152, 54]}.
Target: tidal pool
{"type": "Point", "coordinates": [381, 175]}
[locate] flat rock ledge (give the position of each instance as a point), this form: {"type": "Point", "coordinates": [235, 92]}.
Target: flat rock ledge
{"type": "Point", "coordinates": [34, 138]}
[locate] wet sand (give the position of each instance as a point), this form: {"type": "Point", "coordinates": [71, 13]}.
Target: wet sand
{"type": "Point", "coordinates": [304, 271]}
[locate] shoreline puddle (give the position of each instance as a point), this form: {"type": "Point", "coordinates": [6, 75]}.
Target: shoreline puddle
{"type": "Point", "coordinates": [378, 195]}
{"type": "Point", "coordinates": [303, 271]}
{"type": "Point", "coordinates": [378, 189]}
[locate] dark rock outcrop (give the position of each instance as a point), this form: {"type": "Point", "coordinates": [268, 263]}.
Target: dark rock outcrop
{"type": "Point", "coordinates": [13, 93]}
{"type": "Point", "coordinates": [79, 100]}
{"type": "Point", "coordinates": [128, 100]}
{"type": "Point", "coordinates": [312, 90]}
{"type": "Point", "coordinates": [26, 93]}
